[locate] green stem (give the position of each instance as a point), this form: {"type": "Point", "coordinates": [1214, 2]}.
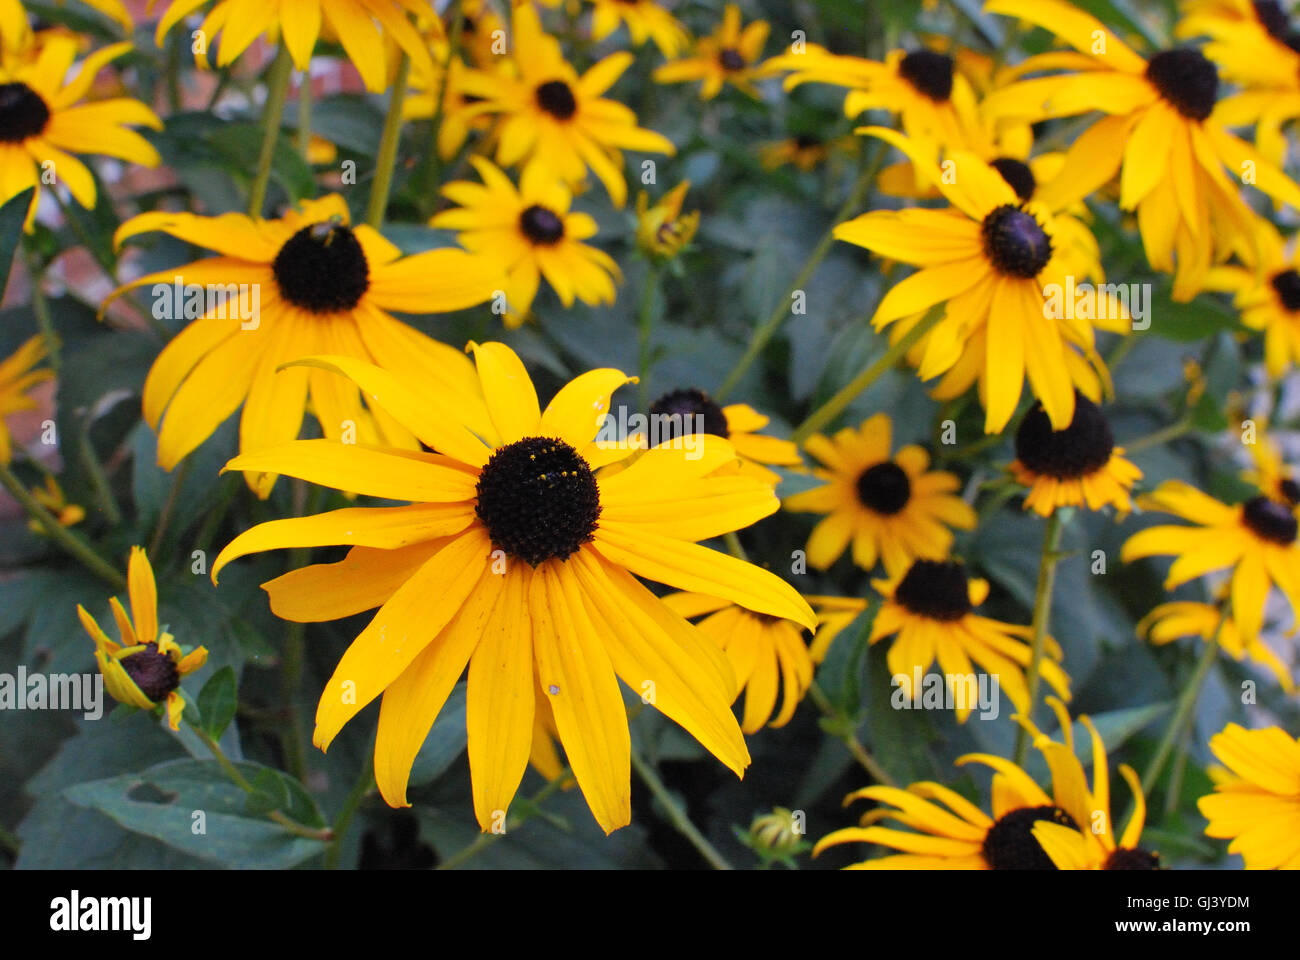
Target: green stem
{"type": "Point", "coordinates": [645, 325]}
{"type": "Point", "coordinates": [1161, 436]}
{"type": "Point", "coordinates": [772, 324]}
{"type": "Point", "coordinates": [434, 167]}
{"type": "Point", "coordinates": [304, 115]}
{"type": "Point", "coordinates": [1182, 719]}
{"type": "Point", "coordinates": [386, 159]}
{"type": "Point", "coordinates": [164, 515]}
{"type": "Point", "coordinates": [832, 408]}
{"type": "Point", "coordinates": [358, 793]}
{"type": "Point", "coordinates": [305, 502]}
{"type": "Point", "coordinates": [98, 479]}
{"type": "Point", "coordinates": [681, 823]}
{"type": "Point", "coordinates": [483, 840]}
{"type": "Point", "coordinates": [277, 88]}
{"type": "Point", "coordinates": [9, 842]}
{"type": "Point", "coordinates": [41, 307]}
{"type": "Point", "coordinates": [65, 538]}
{"type": "Point", "coordinates": [293, 826]}
{"type": "Point", "coordinates": [849, 738]}
{"type": "Point", "coordinates": [1042, 614]}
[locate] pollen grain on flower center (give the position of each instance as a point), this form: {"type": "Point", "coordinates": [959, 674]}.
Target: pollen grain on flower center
{"type": "Point", "coordinates": [322, 268]}
{"type": "Point", "coordinates": [935, 589]}
{"type": "Point", "coordinates": [538, 499]}
{"type": "Point", "coordinates": [23, 113]}
{"type": "Point", "coordinates": [1015, 242]}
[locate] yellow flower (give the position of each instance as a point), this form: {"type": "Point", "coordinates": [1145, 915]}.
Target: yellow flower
{"type": "Point", "coordinates": [1075, 467]}
{"type": "Point", "coordinates": [517, 559]}
{"type": "Point", "coordinates": [1001, 266]}
{"type": "Point", "coordinates": [17, 376]}
{"type": "Point", "coordinates": [42, 118]}
{"type": "Point", "coordinates": [319, 285]}
{"type": "Point", "coordinates": [1267, 294]}
{"type": "Point", "coordinates": [145, 669]}
{"type": "Point", "coordinates": [1272, 475]}
{"type": "Point", "coordinates": [661, 230]}
{"type": "Point", "coordinates": [805, 151]}
{"type": "Point", "coordinates": [767, 653]}
{"type": "Point", "coordinates": [645, 19]}
{"type": "Point", "coordinates": [529, 233]}
{"type": "Point", "coordinates": [1173, 621]}
{"type": "Point", "coordinates": [891, 509]}
{"type": "Point", "coordinates": [52, 499]}
{"type": "Point", "coordinates": [361, 26]}
{"type": "Point", "coordinates": [556, 120]}
{"type": "Point", "coordinates": [1256, 802]}
{"type": "Point", "coordinates": [929, 610]}
{"type": "Point", "coordinates": [726, 56]}
{"type": "Point", "coordinates": [833, 615]}
{"type": "Point", "coordinates": [680, 412]}
{"type": "Point", "coordinates": [461, 112]}
{"type": "Point", "coordinates": [1179, 168]}
{"type": "Point", "coordinates": [1255, 539]}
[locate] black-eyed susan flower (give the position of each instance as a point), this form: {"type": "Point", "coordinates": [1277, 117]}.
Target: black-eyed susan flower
{"type": "Point", "coordinates": [1186, 618]}
{"type": "Point", "coordinates": [1274, 477]}
{"type": "Point", "coordinates": [662, 230]}
{"type": "Point", "coordinates": [317, 285]}
{"type": "Point", "coordinates": [728, 55]}
{"type": "Point", "coordinates": [1178, 167]}
{"type": "Point", "coordinates": [834, 614]}
{"type": "Point", "coordinates": [690, 411]}
{"type": "Point", "coordinates": [1256, 800]}
{"type": "Point", "coordinates": [460, 113]}
{"type": "Point", "coordinates": [1091, 844]}
{"type": "Point", "coordinates": [360, 26]}
{"type": "Point", "coordinates": [1000, 265]}
{"type": "Point", "coordinates": [556, 120]}
{"type": "Point", "coordinates": [1079, 466]}
{"type": "Point", "coordinates": [891, 509]}
{"type": "Point", "coordinates": [1256, 540]}
{"type": "Point", "coordinates": [18, 374]}
{"type": "Point", "coordinates": [645, 19]}
{"type": "Point", "coordinates": [804, 151]}
{"type": "Point", "coordinates": [145, 668]}
{"type": "Point", "coordinates": [767, 653]}
{"type": "Point", "coordinates": [1266, 292]}
{"type": "Point", "coordinates": [930, 613]}
{"type": "Point", "coordinates": [516, 558]}
{"type": "Point", "coordinates": [948, 832]}
{"type": "Point", "coordinates": [934, 102]}
{"type": "Point", "coordinates": [42, 123]}
{"type": "Point", "coordinates": [530, 233]}
{"type": "Point", "coordinates": [51, 497]}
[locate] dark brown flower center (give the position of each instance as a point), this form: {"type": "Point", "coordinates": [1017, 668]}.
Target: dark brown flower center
{"type": "Point", "coordinates": [1018, 175]}
{"type": "Point", "coordinates": [538, 499]}
{"type": "Point", "coordinates": [681, 408]}
{"type": "Point", "coordinates": [1011, 845]}
{"type": "Point", "coordinates": [322, 268]}
{"type": "Point", "coordinates": [1082, 448]}
{"type": "Point", "coordinates": [1275, 20]}
{"type": "Point", "coordinates": [1291, 491]}
{"type": "Point", "coordinates": [730, 59]}
{"type": "Point", "coordinates": [1134, 859]}
{"type": "Point", "coordinates": [23, 113]}
{"type": "Point", "coordinates": [1015, 242]}
{"type": "Point", "coordinates": [884, 488]}
{"type": "Point", "coordinates": [1187, 80]}
{"type": "Point", "coordinates": [1287, 287]}
{"type": "Point", "coordinates": [1270, 520]}
{"type": "Point", "coordinates": [935, 589]}
{"type": "Point", "coordinates": [555, 97]}
{"type": "Point", "coordinates": [929, 73]}
{"type": "Point", "coordinates": [153, 672]}
{"type": "Point", "coordinates": [543, 227]}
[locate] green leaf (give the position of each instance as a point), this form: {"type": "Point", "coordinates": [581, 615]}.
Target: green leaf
{"type": "Point", "coordinates": [445, 741]}
{"type": "Point", "coordinates": [12, 215]}
{"type": "Point", "coordinates": [217, 701]}
{"type": "Point", "coordinates": [191, 807]}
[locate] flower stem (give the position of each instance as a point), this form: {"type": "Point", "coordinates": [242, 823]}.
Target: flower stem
{"type": "Point", "coordinates": [164, 515]}
{"type": "Point", "coordinates": [1183, 712]}
{"type": "Point", "coordinates": [849, 738]}
{"type": "Point", "coordinates": [1161, 436]}
{"type": "Point", "coordinates": [365, 781]}
{"type": "Point", "coordinates": [386, 159]}
{"type": "Point", "coordinates": [832, 408]}
{"type": "Point", "coordinates": [304, 115]}
{"type": "Point", "coordinates": [781, 311]}
{"type": "Point", "coordinates": [485, 839]}
{"type": "Point", "coordinates": [72, 544]}
{"type": "Point", "coordinates": [277, 88]}
{"type": "Point", "coordinates": [681, 823]}
{"type": "Point", "coordinates": [293, 826]}
{"type": "Point", "coordinates": [41, 307]}
{"type": "Point", "coordinates": [1042, 614]}
{"type": "Point", "coordinates": [645, 325]}
{"type": "Point", "coordinates": [434, 166]}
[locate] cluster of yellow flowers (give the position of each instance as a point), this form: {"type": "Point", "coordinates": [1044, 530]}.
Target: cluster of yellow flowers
{"type": "Point", "coordinates": [518, 553]}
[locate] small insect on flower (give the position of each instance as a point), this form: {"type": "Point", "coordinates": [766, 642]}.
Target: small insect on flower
{"type": "Point", "coordinates": [145, 669]}
{"type": "Point", "coordinates": [518, 559]}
